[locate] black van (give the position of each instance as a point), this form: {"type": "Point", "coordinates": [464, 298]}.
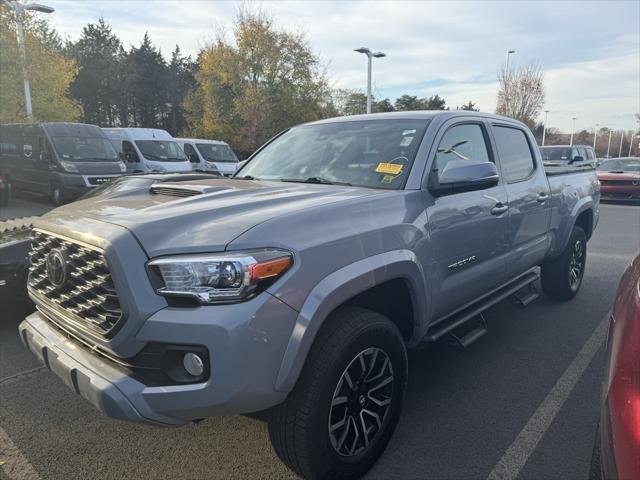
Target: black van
{"type": "Point", "coordinates": [63, 160]}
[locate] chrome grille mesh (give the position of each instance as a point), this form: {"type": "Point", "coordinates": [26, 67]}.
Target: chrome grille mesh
{"type": "Point", "coordinates": [88, 295]}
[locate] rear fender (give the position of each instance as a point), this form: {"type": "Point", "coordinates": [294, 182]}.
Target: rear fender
{"type": "Point", "coordinates": [566, 225]}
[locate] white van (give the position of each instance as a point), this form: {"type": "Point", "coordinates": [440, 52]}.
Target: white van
{"type": "Point", "coordinates": [209, 155]}
{"type": "Point", "coordinates": [148, 150]}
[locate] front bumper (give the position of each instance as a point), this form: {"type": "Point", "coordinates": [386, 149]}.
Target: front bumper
{"type": "Point", "coordinates": [620, 192]}
{"type": "Point", "coordinates": [246, 343]}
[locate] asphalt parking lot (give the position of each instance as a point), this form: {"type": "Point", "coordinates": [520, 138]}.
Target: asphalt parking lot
{"type": "Point", "coordinates": [523, 401]}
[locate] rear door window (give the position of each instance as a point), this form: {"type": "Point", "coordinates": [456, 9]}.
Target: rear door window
{"type": "Point", "coordinates": [515, 154]}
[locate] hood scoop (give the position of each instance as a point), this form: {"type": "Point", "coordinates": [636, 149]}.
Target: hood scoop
{"type": "Point", "coordinates": [178, 190]}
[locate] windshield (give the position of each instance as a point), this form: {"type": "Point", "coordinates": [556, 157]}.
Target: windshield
{"type": "Point", "coordinates": [620, 166]}
{"type": "Point", "coordinates": [161, 150]}
{"type": "Point", "coordinates": [558, 154]}
{"type": "Point", "coordinates": [216, 153]}
{"type": "Point", "coordinates": [370, 153]}
{"type": "Point", "coordinates": [93, 149]}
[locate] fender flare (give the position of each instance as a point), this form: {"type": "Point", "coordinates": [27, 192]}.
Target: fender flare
{"type": "Point", "coordinates": [337, 288]}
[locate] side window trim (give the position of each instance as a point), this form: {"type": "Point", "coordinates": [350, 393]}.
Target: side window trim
{"type": "Point", "coordinates": [442, 131]}
{"type": "Point", "coordinates": [535, 168]}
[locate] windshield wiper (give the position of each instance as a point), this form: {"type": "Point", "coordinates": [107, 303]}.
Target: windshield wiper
{"type": "Point", "coordinates": [318, 180]}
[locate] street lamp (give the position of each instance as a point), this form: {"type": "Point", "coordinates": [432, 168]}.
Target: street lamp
{"type": "Point", "coordinates": [631, 144]}
{"type": "Point", "coordinates": [369, 55]}
{"type": "Point", "coordinates": [609, 144]}
{"type": "Point", "coordinates": [621, 138]}
{"type": "Point", "coordinates": [19, 8]}
{"type": "Point", "coordinates": [573, 129]}
{"type": "Point", "coordinates": [595, 135]}
{"type": "Point", "coordinates": [544, 127]}
{"type": "Point", "coordinates": [506, 83]}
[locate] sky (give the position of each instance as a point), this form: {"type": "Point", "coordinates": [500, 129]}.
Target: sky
{"type": "Point", "coordinates": [590, 51]}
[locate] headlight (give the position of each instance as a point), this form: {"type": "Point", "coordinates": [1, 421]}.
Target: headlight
{"type": "Point", "coordinates": [123, 167]}
{"type": "Point", "coordinates": [69, 167]}
{"type": "Point", "coordinates": [217, 278]}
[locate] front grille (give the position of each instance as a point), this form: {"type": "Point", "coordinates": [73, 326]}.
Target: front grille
{"type": "Point", "coordinates": [99, 180]}
{"type": "Point", "coordinates": [619, 182]}
{"type": "Point", "coordinates": [87, 294]}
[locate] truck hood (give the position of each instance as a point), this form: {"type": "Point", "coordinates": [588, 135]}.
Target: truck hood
{"type": "Point", "coordinates": [199, 216]}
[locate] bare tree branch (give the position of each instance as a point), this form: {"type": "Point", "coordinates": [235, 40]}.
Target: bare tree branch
{"type": "Point", "coordinates": [521, 93]}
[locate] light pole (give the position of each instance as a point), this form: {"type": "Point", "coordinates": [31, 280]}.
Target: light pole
{"type": "Point", "coordinates": [19, 8]}
{"type": "Point", "coordinates": [506, 83]}
{"type": "Point", "coordinates": [621, 138]}
{"type": "Point", "coordinates": [631, 144]}
{"type": "Point", "coordinates": [609, 144]}
{"type": "Point", "coordinates": [595, 135]}
{"type": "Point", "coordinates": [544, 127]}
{"type": "Point", "coordinates": [573, 129]}
{"type": "Point", "coordinates": [369, 55]}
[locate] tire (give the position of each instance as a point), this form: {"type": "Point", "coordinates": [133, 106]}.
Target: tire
{"type": "Point", "coordinates": [57, 194]}
{"type": "Point", "coordinates": [299, 429]}
{"type": "Point", "coordinates": [562, 276]}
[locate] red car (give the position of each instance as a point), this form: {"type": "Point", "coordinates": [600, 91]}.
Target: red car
{"type": "Point", "coordinates": [617, 449]}
{"type": "Point", "coordinates": [620, 179]}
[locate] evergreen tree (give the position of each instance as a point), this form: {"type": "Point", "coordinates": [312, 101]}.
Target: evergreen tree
{"type": "Point", "coordinates": [97, 53]}
{"type": "Point", "coordinates": [146, 83]}
{"type": "Point", "coordinates": [180, 79]}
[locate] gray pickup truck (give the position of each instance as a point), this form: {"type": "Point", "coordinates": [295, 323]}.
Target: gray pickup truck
{"type": "Point", "coordinates": [297, 285]}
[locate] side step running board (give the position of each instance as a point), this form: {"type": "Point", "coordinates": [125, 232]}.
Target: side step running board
{"type": "Point", "coordinates": [526, 296]}
{"type": "Point", "coordinates": [446, 324]}
{"type": "Point", "coordinates": [462, 341]}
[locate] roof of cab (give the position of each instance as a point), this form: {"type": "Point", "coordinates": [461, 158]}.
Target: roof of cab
{"type": "Point", "coordinates": [138, 133]}
{"type": "Point", "coordinates": [418, 115]}
{"type": "Point", "coordinates": [201, 140]}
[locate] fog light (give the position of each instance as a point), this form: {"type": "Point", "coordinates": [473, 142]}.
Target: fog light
{"type": "Point", "coordinates": [193, 364]}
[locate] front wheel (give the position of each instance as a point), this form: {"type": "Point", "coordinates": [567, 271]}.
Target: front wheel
{"type": "Point", "coordinates": [340, 416]}
{"type": "Point", "coordinates": [58, 195]}
{"type": "Point", "coordinates": [562, 276]}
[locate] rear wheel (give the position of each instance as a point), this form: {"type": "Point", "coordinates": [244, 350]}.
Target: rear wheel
{"type": "Point", "coordinates": [340, 416]}
{"type": "Point", "coordinates": [562, 276]}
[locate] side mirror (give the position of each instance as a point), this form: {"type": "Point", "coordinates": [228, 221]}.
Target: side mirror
{"type": "Point", "coordinates": [131, 157]}
{"type": "Point", "coordinates": [465, 175]}
{"type": "Point", "coordinates": [193, 158]}
{"type": "Point", "coordinates": [578, 158]}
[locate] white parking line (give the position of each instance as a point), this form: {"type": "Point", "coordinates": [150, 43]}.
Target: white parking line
{"type": "Point", "coordinates": [13, 462]}
{"type": "Point", "coordinates": [525, 443]}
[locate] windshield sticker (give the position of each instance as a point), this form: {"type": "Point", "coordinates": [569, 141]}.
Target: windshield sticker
{"type": "Point", "coordinates": [409, 132]}
{"type": "Point", "coordinates": [406, 141]}
{"type": "Point", "coordinates": [387, 178]}
{"type": "Point", "coordinates": [27, 150]}
{"type": "Point", "coordinates": [390, 168]}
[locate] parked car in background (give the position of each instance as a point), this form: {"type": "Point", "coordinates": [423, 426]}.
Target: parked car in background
{"type": "Point", "coordinates": [63, 160]}
{"type": "Point", "coordinates": [616, 452]}
{"type": "Point", "coordinates": [577, 155]}
{"type": "Point", "coordinates": [209, 155]}
{"type": "Point", "coordinates": [620, 178]}
{"type": "Point", "coordinates": [300, 282]}
{"type": "Point", "coordinates": [148, 150]}
{"type": "Point", "coordinates": [5, 190]}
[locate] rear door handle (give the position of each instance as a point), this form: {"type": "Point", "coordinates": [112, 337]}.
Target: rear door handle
{"type": "Point", "coordinates": [499, 209]}
{"type": "Point", "coordinates": [543, 197]}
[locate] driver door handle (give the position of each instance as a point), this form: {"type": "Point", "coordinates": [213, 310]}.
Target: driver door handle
{"type": "Point", "coordinates": [499, 209]}
{"type": "Point", "coordinates": [542, 197]}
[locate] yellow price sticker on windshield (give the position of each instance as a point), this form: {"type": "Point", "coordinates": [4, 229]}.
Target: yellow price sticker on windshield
{"type": "Point", "coordinates": [390, 168]}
